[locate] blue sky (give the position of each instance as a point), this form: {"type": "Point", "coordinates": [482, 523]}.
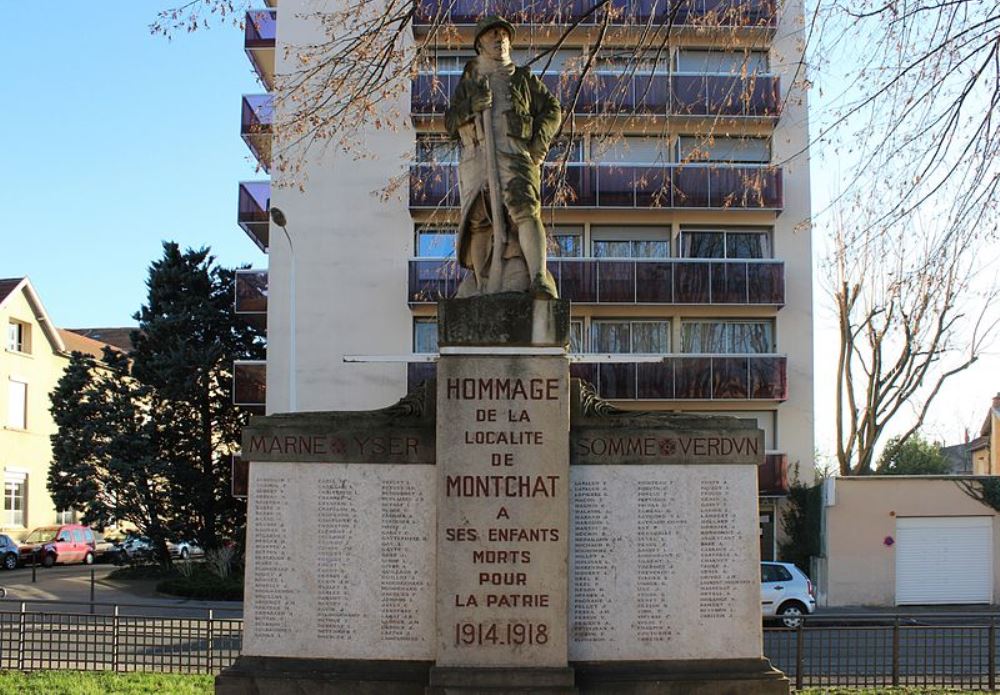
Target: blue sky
{"type": "Point", "coordinates": [115, 140]}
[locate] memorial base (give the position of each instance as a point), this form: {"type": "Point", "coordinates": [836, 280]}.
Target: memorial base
{"type": "Point", "coordinates": [501, 681]}
{"type": "Point", "coordinates": [695, 677]}
{"type": "Point", "coordinates": [265, 675]}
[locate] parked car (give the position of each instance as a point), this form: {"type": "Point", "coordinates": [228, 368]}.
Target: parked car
{"type": "Point", "coordinates": [107, 547]}
{"type": "Point", "coordinates": [184, 550]}
{"type": "Point", "coordinates": [136, 547]}
{"type": "Point", "coordinates": [9, 552]}
{"type": "Point", "coordinates": [63, 544]}
{"type": "Point", "coordinates": [785, 592]}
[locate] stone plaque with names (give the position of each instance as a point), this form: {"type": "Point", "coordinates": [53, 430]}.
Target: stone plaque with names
{"type": "Point", "coordinates": [503, 493]}
{"type": "Point", "coordinates": [664, 563]}
{"type": "Point", "coordinates": [340, 561]}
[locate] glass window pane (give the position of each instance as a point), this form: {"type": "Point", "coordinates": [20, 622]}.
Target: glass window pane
{"type": "Point", "coordinates": [576, 336]}
{"type": "Point", "coordinates": [651, 249]}
{"type": "Point", "coordinates": [610, 336]}
{"type": "Point", "coordinates": [703, 245]}
{"type": "Point", "coordinates": [724, 149]}
{"type": "Point", "coordinates": [566, 246]}
{"type": "Point", "coordinates": [724, 62]}
{"type": "Point", "coordinates": [703, 337]}
{"type": "Point", "coordinates": [747, 245]}
{"type": "Point", "coordinates": [425, 337]}
{"type": "Point", "coordinates": [436, 243]}
{"type": "Point", "coordinates": [651, 337]}
{"type": "Point", "coordinates": [437, 149]}
{"type": "Point", "coordinates": [611, 249]}
{"type": "Point", "coordinates": [17, 401]}
{"type": "Point", "coordinates": [752, 337]}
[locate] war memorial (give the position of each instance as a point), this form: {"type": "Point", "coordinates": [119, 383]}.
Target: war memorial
{"type": "Point", "coordinates": [501, 529]}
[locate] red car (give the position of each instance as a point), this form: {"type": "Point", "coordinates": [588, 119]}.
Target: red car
{"type": "Point", "coordinates": [63, 544]}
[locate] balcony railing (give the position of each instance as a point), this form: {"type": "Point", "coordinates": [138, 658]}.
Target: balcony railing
{"type": "Point", "coordinates": [772, 475]}
{"type": "Point", "coordinates": [251, 296]}
{"type": "Point", "coordinates": [629, 281]}
{"type": "Point", "coordinates": [255, 126]}
{"type": "Point", "coordinates": [642, 94]}
{"type": "Point", "coordinates": [253, 210]}
{"type": "Point", "coordinates": [259, 41]}
{"type": "Point", "coordinates": [717, 186]}
{"type": "Point", "coordinates": [700, 13]}
{"type": "Point", "coordinates": [250, 383]}
{"type": "Point", "coordinates": [701, 377]}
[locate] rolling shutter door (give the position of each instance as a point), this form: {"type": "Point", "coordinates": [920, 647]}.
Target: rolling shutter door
{"type": "Point", "coordinates": [944, 560]}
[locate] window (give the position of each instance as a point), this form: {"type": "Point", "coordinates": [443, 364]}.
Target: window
{"type": "Point", "coordinates": [18, 337]}
{"type": "Point", "coordinates": [15, 489]}
{"type": "Point", "coordinates": [436, 243]}
{"type": "Point", "coordinates": [565, 245]}
{"type": "Point", "coordinates": [631, 150]}
{"type": "Point", "coordinates": [425, 335]}
{"type": "Point", "coordinates": [17, 405]}
{"type": "Point", "coordinates": [722, 62]}
{"type": "Point", "coordinates": [774, 573]}
{"type": "Point", "coordinates": [727, 337]}
{"type": "Point", "coordinates": [643, 337]}
{"type": "Point", "coordinates": [576, 336]}
{"type": "Point", "coordinates": [630, 242]}
{"type": "Point", "coordinates": [558, 151]}
{"type": "Point", "coordinates": [724, 149]}
{"type": "Point", "coordinates": [77, 536]}
{"type": "Point", "coordinates": [66, 517]}
{"type": "Point", "coordinates": [436, 149]}
{"type": "Point", "coordinates": [726, 244]}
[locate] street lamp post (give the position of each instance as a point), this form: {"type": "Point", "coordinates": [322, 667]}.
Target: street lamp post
{"type": "Point", "coordinates": [278, 217]}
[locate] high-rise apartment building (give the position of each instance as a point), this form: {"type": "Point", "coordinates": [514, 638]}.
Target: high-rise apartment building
{"type": "Point", "coordinates": [680, 231]}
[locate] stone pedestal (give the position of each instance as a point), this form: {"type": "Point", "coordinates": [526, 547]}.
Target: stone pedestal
{"type": "Point", "coordinates": [502, 497]}
{"type": "Point", "coordinates": [502, 530]}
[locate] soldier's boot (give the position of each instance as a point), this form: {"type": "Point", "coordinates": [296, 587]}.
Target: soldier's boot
{"type": "Point", "coordinates": [531, 237]}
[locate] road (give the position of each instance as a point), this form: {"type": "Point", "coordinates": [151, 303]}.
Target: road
{"type": "Point", "coordinates": [72, 583]}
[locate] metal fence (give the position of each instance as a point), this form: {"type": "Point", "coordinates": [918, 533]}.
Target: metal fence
{"type": "Point", "coordinates": [956, 650]}
{"type": "Point", "coordinates": [63, 635]}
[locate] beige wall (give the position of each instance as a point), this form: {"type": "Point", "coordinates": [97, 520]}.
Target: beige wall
{"type": "Point", "coordinates": [28, 451]}
{"type": "Point", "coordinates": [861, 513]}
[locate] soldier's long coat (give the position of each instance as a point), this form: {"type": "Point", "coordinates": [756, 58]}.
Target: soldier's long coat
{"type": "Point", "coordinates": [531, 123]}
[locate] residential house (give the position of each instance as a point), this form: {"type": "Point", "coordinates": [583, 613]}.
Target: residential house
{"type": "Point", "coordinates": [34, 355]}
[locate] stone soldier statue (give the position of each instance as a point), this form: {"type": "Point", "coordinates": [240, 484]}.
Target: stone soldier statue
{"type": "Point", "coordinates": [505, 119]}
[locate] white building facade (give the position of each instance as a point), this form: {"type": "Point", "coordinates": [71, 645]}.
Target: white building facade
{"type": "Point", "coordinates": [686, 234]}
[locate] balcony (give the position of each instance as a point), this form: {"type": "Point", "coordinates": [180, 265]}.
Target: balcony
{"type": "Point", "coordinates": [251, 296]}
{"type": "Point", "coordinates": [253, 211]}
{"type": "Point", "coordinates": [664, 186]}
{"type": "Point", "coordinates": [677, 378]}
{"type": "Point", "coordinates": [258, 42]}
{"type": "Point", "coordinates": [629, 281]}
{"type": "Point", "coordinates": [250, 384]}
{"type": "Point", "coordinates": [772, 476]}
{"type": "Point", "coordinates": [605, 93]}
{"type": "Point", "coordinates": [679, 13]}
{"type": "Point", "coordinates": [255, 126]}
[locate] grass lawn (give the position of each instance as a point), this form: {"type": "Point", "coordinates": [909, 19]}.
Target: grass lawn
{"type": "Point", "coordinates": [101, 682]}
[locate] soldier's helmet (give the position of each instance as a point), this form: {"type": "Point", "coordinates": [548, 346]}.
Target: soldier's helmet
{"type": "Point", "coordinates": [489, 22]}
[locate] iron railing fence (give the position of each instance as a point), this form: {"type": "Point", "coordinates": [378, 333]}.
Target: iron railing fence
{"type": "Point", "coordinates": [954, 650]}
{"type": "Point", "coordinates": [61, 635]}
